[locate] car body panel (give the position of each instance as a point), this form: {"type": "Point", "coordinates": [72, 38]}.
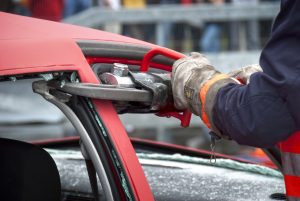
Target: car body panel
{"type": "Point", "coordinates": [29, 46]}
{"type": "Point", "coordinates": [14, 27]}
{"type": "Point", "coordinates": [39, 45]}
{"type": "Point", "coordinates": [40, 55]}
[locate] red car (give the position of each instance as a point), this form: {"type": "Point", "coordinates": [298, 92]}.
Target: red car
{"type": "Point", "coordinates": [92, 76]}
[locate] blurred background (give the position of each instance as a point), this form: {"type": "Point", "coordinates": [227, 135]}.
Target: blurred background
{"type": "Point", "coordinates": [231, 33]}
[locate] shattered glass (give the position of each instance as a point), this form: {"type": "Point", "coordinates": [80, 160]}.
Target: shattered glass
{"type": "Point", "coordinates": [182, 178]}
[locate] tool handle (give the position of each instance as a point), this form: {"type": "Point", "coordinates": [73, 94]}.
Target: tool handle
{"type": "Point", "coordinates": [159, 51]}
{"type": "Point", "coordinates": [183, 116]}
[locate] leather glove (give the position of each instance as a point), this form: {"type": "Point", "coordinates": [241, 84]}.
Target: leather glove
{"type": "Point", "coordinates": [184, 70]}
{"type": "Point", "coordinates": [243, 74]}
{"type": "Point", "coordinates": [195, 84]}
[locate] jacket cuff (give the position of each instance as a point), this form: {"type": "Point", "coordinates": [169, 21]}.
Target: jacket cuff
{"type": "Point", "coordinates": [208, 95]}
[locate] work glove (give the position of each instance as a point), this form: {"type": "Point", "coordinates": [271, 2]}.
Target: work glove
{"type": "Point", "coordinates": [195, 84]}
{"type": "Point", "coordinates": [243, 74]}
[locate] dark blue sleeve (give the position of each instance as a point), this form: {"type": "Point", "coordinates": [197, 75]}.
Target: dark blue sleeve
{"type": "Point", "coordinates": [267, 110]}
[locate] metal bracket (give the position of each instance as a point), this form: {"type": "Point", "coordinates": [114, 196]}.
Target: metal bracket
{"type": "Point", "coordinates": [42, 88]}
{"type": "Point", "coordinates": [59, 99]}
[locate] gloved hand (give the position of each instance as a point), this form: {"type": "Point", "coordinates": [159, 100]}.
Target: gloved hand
{"type": "Point", "coordinates": [190, 69]}
{"type": "Point", "coordinates": [243, 74]}
{"type": "Point", "coordinates": [195, 84]}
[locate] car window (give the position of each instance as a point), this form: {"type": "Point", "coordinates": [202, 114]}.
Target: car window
{"type": "Point", "coordinates": [27, 116]}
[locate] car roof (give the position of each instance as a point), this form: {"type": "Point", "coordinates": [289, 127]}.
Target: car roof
{"type": "Point", "coordinates": [30, 45]}
{"type": "Point", "coordinates": [15, 27]}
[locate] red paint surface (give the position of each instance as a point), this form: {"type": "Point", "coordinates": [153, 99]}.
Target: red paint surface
{"type": "Point", "coordinates": [292, 184]}
{"type": "Point", "coordinates": [14, 27]}
{"type": "Point", "coordinates": [33, 43]}
{"type": "Point", "coordinates": [291, 144]}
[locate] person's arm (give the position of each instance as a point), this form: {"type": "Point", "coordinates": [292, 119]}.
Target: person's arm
{"type": "Point", "coordinates": [265, 111]}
